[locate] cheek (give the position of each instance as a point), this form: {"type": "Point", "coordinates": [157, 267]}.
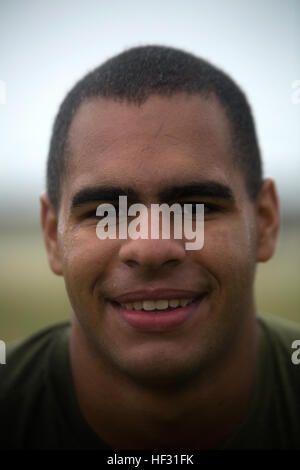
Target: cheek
{"type": "Point", "coordinates": [228, 254]}
{"type": "Point", "coordinates": [86, 260]}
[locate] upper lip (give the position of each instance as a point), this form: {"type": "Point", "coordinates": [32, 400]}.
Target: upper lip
{"type": "Point", "coordinates": [157, 294]}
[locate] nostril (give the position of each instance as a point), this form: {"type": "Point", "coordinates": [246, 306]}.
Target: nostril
{"type": "Point", "coordinates": [152, 253]}
{"type": "Point", "coordinates": [131, 263]}
{"type": "Point", "coordinates": [172, 262]}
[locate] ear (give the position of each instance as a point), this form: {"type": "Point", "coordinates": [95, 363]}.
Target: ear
{"type": "Point", "coordinates": [267, 215]}
{"type": "Point", "coordinates": [49, 221]}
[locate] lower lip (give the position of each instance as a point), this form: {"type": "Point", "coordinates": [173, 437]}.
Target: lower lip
{"type": "Point", "coordinates": [163, 321]}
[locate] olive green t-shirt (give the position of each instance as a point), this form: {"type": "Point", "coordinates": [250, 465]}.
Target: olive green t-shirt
{"type": "Point", "coordinates": [39, 410]}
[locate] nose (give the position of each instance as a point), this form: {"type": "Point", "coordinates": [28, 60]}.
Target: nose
{"type": "Point", "coordinates": [152, 254]}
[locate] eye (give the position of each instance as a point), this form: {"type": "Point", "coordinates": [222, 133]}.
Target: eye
{"type": "Point", "coordinates": [210, 208]}
{"type": "Point", "coordinates": [90, 214]}
{"type": "Point", "coordinates": [108, 213]}
{"type": "Point", "coordinates": [190, 208]}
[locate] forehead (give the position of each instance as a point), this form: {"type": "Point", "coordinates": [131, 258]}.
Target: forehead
{"type": "Point", "coordinates": [164, 140]}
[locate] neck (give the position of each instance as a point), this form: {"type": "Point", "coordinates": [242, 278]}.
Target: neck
{"type": "Point", "coordinates": [200, 414]}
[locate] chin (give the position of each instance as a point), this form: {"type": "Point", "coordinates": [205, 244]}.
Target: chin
{"type": "Point", "coordinates": [161, 371]}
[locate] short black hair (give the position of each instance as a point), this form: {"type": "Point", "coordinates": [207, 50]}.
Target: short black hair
{"type": "Point", "coordinates": [139, 72]}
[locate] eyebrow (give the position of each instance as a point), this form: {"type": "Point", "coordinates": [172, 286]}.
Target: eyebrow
{"type": "Point", "coordinates": [94, 194]}
{"type": "Point", "coordinates": [206, 188]}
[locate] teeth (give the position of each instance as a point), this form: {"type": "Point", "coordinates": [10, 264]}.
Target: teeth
{"type": "Point", "coordinates": [149, 305]}
{"type": "Point", "coordinates": [129, 306]}
{"type": "Point", "coordinates": [163, 304]}
{"type": "Point", "coordinates": [138, 305]}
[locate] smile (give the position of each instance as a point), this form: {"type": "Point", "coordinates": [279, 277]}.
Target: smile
{"type": "Point", "coordinates": [158, 315]}
{"type": "Point", "coordinates": [158, 305]}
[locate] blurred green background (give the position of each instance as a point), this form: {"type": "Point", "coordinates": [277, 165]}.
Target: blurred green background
{"type": "Point", "coordinates": [32, 296]}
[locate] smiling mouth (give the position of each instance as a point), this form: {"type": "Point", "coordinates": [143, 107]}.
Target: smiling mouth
{"type": "Point", "coordinates": [158, 306]}
{"type": "Point", "coordinates": [158, 315]}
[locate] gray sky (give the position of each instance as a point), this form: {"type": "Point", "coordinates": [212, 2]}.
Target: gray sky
{"type": "Point", "coordinates": [46, 46]}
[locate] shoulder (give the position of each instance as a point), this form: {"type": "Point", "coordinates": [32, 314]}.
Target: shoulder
{"type": "Point", "coordinates": [278, 338]}
{"type": "Point", "coordinates": [279, 331]}
{"type": "Point", "coordinates": [26, 386]}
{"type": "Point", "coordinates": [26, 358]}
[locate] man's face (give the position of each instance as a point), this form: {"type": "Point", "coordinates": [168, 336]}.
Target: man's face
{"type": "Point", "coordinates": [168, 142]}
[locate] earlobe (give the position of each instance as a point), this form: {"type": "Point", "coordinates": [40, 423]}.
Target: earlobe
{"type": "Point", "coordinates": [49, 222]}
{"type": "Point", "coordinates": [267, 214]}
